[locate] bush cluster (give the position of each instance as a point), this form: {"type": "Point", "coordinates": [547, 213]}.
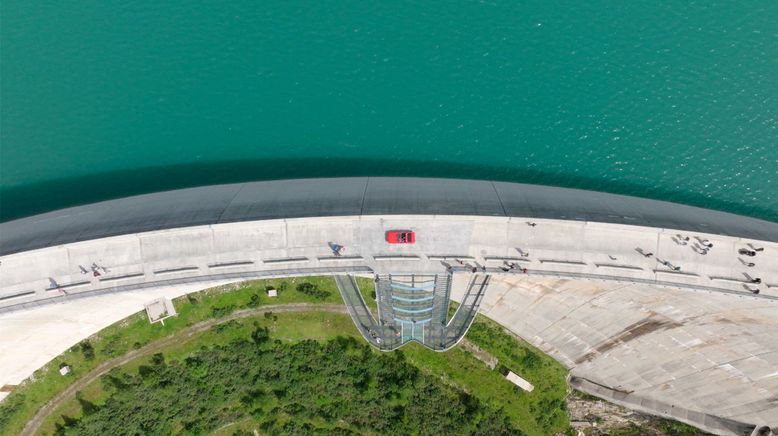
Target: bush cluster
{"type": "Point", "coordinates": [311, 290]}
{"type": "Point", "coordinates": [340, 387]}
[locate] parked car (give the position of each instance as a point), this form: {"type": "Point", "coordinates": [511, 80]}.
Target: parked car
{"type": "Point", "coordinates": [400, 237]}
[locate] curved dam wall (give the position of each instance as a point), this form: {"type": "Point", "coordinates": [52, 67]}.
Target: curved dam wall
{"type": "Point", "coordinates": [646, 335]}
{"type": "Point", "coordinates": [363, 196]}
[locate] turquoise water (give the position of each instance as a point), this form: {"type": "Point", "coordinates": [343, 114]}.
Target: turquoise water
{"type": "Point", "coordinates": [677, 101]}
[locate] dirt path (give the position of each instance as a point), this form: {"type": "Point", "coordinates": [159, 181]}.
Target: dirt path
{"type": "Point", "coordinates": [34, 424]}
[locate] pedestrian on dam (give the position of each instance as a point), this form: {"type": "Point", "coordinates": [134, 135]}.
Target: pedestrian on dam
{"type": "Point", "coordinates": [746, 252]}
{"type": "Point", "coordinates": [640, 250]}
{"type": "Point", "coordinates": [755, 248]}
{"type": "Point", "coordinates": [756, 280]}
{"type": "Point", "coordinates": [336, 249]}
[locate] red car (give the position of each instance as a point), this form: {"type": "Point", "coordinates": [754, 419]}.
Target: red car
{"type": "Point", "coordinates": [400, 237]}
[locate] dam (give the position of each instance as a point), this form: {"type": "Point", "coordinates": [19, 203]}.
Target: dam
{"type": "Point", "coordinates": [648, 304]}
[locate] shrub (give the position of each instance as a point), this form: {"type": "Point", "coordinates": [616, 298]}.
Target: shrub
{"type": "Point", "coordinates": [157, 359]}
{"type": "Point", "coordinates": [222, 311]}
{"type": "Point", "coordinates": [260, 335]}
{"type": "Point", "coordinates": [531, 360]}
{"type": "Point", "coordinates": [311, 290]}
{"type": "Point", "coordinates": [253, 301]}
{"type": "Point", "coordinates": [87, 350]}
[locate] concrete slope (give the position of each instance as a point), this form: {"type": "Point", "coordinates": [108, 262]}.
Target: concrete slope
{"type": "Point", "coordinates": [707, 359]}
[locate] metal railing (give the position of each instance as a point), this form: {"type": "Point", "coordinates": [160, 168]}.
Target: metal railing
{"type": "Point", "coordinates": [233, 276]}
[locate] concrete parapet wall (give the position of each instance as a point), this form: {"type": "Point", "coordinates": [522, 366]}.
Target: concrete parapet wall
{"type": "Point", "coordinates": [362, 196]}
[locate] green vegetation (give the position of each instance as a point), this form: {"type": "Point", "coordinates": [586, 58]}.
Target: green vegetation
{"type": "Point", "coordinates": [339, 386]}
{"type": "Point", "coordinates": [135, 331]}
{"type": "Point", "coordinates": [312, 291]}
{"type": "Point", "coordinates": [675, 428]}
{"type": "Point", "coordinates": [367, 289]}
{"type": "Point", "coordinates": [540, 412]}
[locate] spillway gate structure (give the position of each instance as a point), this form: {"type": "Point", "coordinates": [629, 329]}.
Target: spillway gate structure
{"type": "Point", "coordinates": [413, 307]}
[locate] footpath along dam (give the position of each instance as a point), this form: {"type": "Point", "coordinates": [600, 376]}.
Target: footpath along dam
{"type": "Point", "coordinates": [625, 292]}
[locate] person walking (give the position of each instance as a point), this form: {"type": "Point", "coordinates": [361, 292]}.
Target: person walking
{"type": "Point", "coordinates": [643, 253]}
{"type": "Point", "coordinates": [337, 249]}
{"type": "Point", "coordinates": [755, 248]}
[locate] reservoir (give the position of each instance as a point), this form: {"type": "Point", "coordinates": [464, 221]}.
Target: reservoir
{"type": "Point", "coordinates": [675, 101]}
